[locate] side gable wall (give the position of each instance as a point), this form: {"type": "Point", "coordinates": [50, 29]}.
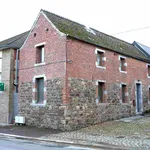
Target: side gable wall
{"type": "Point", "coordinates": [53, 70]}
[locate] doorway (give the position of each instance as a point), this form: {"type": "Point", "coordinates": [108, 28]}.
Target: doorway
{"type": "Point", "coordinates": [139, 101]}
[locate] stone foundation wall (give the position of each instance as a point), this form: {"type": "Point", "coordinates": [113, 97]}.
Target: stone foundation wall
{"type": "Point", "coordinates": [84, 111]}
{"type": "Point", "coordinates": [49, 116]}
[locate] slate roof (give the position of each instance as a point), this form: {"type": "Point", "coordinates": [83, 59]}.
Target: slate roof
{"type": "Point", "coordinates": [92, 36]}
{"type": "Point", "coordinates": [14, 42]}
{"type": "Point", "coordinates": [145, 49]}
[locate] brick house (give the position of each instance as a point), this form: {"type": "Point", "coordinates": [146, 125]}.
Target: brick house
{"type": "Point", "coordinates": [72, 76]}
{"type": "Point", "coordinates": [8, 52]}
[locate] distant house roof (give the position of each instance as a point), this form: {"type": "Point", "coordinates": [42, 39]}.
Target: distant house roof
{"type": "Point", "coordinates": [14, 42]}
{"type": "Point", "coordinates": [145, 49]}
{"type": "Point", "coordinates": [92, 36]}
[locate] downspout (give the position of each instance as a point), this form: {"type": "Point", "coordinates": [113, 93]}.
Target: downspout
{"type": "Point", "coordinates": [16, 74]}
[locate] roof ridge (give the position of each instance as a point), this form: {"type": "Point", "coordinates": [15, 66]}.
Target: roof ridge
{"type": "Point", "coordinates": [86, 26]}
{"type": "Point", "coordinates": [64, 18]}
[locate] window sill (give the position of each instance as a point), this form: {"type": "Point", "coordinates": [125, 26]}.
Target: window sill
{"type": "Point", "coordinates": [34, 103]}
{"type": "Point", "coordinates": [101, 67]}
{"type": "Point", "coordinates": [39, 64]}
{"type": "Point", "coordinates": [123, 71]}
{"type": "Point", "coordinates": [38, 104]}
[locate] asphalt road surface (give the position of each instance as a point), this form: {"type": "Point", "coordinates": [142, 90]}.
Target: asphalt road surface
{"type": "Point", "coordinates": [17, 144]}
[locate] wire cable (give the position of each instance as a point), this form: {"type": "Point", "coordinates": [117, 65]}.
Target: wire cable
{"type": "Point", "coordinates": [131, 30]}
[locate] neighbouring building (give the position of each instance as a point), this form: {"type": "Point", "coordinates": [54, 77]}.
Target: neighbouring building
{"type": "Point", "coordinates": [143, 48]}
{"type": "Point", "coordinates": [72, 76]}
{"type": "Point", "coordinates": [8, 77]}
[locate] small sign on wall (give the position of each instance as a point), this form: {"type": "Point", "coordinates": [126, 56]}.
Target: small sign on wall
{"type": "Point", "coordinates": [2, 86]}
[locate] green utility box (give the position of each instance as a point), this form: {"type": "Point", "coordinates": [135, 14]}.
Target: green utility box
{"type": "Point", "coordinates": [2, 87]}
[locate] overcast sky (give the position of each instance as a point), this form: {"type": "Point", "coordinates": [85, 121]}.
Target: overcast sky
{"type": "Point", "coordinates": [108, 16]}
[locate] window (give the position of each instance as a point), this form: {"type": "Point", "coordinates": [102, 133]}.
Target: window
{"type": "Point", "coordinates": [40, 90]}
{"type": "Point", "coordinates": [100, 62]}
{"type": "Point", "coordinates": [149, 95]}
{"type": "Point", "coordinates": [100, 92]}
{"type": "Point", "coordinates": [40, 54]}
{"type": "Point", "coordinates": [124, 93]}
{"type": "Point", "coordinates": [148, 70]}
{"type": "Point", "coordinates": [123, 64]}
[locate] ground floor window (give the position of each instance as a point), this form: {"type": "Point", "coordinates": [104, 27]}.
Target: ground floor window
{"type": "Point", "coordinates": [40, 90]}
{"type": "Point", "coordinates": [149, 93]}
{"type": "Point", "coordinates": [124, 93]}
{"type": "Point", "coordinates": [100, 92]}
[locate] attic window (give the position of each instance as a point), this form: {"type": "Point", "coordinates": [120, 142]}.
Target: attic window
{"type": "Point", "coordinates": [40, 53]}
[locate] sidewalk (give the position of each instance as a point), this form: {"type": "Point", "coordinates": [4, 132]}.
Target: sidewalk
{"type": "Point", "coordinates": [131, 133]}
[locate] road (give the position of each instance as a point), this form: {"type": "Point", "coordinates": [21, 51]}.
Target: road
{"type": "Point", "coordinates": [17, 144]}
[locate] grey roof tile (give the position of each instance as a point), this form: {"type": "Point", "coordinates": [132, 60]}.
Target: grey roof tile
{"type": "Point", "coordinates": [14, 42]}
{"type": "Point", "coordinates": [90, 35]}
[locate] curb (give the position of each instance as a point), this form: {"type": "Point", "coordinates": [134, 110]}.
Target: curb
{"type": "Point", "coordinates": [88, 144]}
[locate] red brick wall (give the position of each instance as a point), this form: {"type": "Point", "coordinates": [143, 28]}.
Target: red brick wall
{"type": "Point", "coordinates": [82, 66]}
{"type": "Point", "coordinates": [55, 56]}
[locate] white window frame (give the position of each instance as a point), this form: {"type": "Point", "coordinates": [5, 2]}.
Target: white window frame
{"type": "Point", "coordinates": [104, 58]}
{"type": "Point", "coordinates": [125, 64]}
{"type": "Point", "coordinates": [138, 82]}
{"type": "Point", "coordinates": [147, 65]}
{"type": "Point", "coordinates": [148, 95]}
{"type": "Point", "coordinates": [40, 44]}
{"type": "Point", "coordinates": [34, 102]}
{"type": "Point", "coordinates": [42, 55]}
{"type": "Point", "coordinates": [104, 92]}
{"type": "Point", "coordinates": [126, 94]}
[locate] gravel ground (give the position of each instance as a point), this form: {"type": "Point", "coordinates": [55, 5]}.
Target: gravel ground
{"type": "Point", "coordinates": [133, 134]}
